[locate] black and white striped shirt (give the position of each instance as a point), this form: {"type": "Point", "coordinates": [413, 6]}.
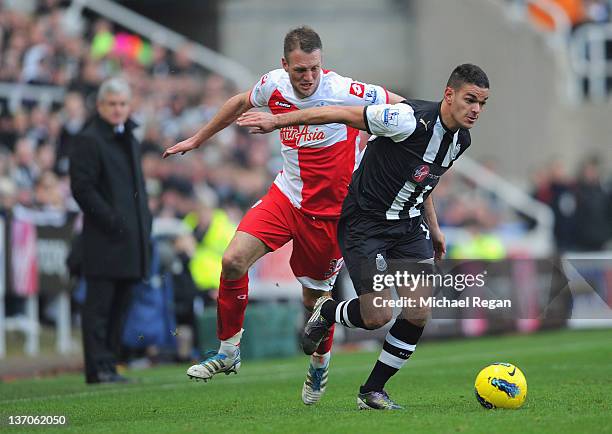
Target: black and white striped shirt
{"type": "Point", "coordinates": [404, 160]}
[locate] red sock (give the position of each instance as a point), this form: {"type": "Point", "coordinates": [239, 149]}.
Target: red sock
{"type": "Point", "coordinates": [326, 344]}
{"type": "Point", "coordinates": [231, 305]}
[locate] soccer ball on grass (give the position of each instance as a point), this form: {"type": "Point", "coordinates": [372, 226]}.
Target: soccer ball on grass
{"type": "Point", "coordinates": [501, 385]}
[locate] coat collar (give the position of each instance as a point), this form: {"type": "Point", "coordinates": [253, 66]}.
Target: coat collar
{"type": "Point", "coordinates": [109, 130]}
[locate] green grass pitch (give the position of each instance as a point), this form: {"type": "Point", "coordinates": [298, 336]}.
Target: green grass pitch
{"type": "Point", "coordinates": [569, 375]}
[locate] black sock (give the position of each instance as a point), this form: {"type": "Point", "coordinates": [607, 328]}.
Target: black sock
{"type": "Point", "coordinates": [378, 377]}
{"type": "Point", "coordinates": [328, 310]}
{"type": "Point", "coordinates": [347, 313]}
{"type": "Point", "coordinates": [399, 345]}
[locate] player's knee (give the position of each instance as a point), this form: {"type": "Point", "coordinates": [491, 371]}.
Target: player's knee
{"type": "Point", "coordinates": [417, 317]}
{"type": "Point", "coordinates": [419, 322]}
{"type": "Point", "coordinates": [233, 265]}
{"type": "Point", "coordinates": [376, 320]}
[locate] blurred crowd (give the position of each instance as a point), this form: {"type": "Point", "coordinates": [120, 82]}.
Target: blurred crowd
{"type": "Point", "coordinates": [580, 199]}
{"type": "Point", "coordinates": [196, 199]}
{"type": "Point", "coordinates": [581, 203]}
{"type": "Point", "coordinates": [172, 98]}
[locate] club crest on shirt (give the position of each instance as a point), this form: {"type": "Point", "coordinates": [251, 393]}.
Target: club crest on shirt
{"type": "Point", "coordinates": [381, 264]}
{"type": "Point", "coordinates": [420, 173]}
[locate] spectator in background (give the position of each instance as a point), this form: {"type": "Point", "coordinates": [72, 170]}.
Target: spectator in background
{"type": "Point", "coordinates": [108, 184]}
{"type": "Point", "coordinates": [178, 198]}
{"type": "Point", "coordinates": [213, 230]}
{"type": "Point", "coordinates": [480, 245]}
{"type": "Point", "coordinates": [554, 188]}
{"type": "Point", "coordinates": [26, 171]}
{"type": "Point", "coordinates": [73, 117]}
{"type": "Point", "coordinates": [47, 193]}
{"type": "Point", "coordinates": [160, 66]}
{"type": "Point", "coordinates": [8, 196]}
{"type": "Point", "coordinates": [593, 223]}
{"type": "Point", "coordinates": [182, 63]}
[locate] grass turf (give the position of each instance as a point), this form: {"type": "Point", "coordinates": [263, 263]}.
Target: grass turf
{"type": "Point", "coordinates": [569, 375]}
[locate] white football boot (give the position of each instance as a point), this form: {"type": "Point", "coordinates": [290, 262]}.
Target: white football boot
{"type": "Point", "coordinates": [226, 360]}
{"type": "Point", "coordinates": [316, 379]}
{"type": "Point", "coordinates": [217, 363]}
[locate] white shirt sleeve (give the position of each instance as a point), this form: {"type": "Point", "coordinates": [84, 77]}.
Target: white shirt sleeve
{"type": "Point", "coordinates": [263, 89]}
{"type": "Point", "coordinates": [355, 93]}
{"type": "Point", "coordinates": [395, 121]}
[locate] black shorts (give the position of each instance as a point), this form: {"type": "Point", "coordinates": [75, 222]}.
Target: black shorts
{"type": "Point", "coordinates": [371, 247]}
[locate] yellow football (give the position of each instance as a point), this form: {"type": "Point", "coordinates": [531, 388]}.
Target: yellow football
{"type": "Point", "coordinates": [501, 385]}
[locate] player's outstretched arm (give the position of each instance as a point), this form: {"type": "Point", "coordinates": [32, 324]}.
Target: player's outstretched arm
{"type": "Point", "coordinates": [260, 123]}
{"type": "Point", "coordinates": [227, 114]}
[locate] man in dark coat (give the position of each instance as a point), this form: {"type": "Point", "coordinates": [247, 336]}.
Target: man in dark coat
{"type": "Point", "coordinates": [107, 182]}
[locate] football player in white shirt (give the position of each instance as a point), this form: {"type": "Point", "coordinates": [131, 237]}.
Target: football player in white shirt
{"type": "Point", "coordinates": [303, 204]}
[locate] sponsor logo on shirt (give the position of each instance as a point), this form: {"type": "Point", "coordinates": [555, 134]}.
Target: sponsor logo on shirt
{"type": "Point", "coordinates": [391, 117]}
{"type": "Point", "coordinates": [300, 135]}
{"type": "Point", "coordinates": [357, 89]}
{"type": "Point", "coordinates": [264, 78]}
{"type": "Point", "coordinates": [283, 104]}
{"type": "Point", "coordinates": [420, 173]}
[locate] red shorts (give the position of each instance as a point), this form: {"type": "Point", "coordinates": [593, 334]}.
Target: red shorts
{"type": "Point", "coordinates": [316, 258]}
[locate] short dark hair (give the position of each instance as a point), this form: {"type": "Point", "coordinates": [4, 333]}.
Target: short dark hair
{"type": "Point", "coordinates": [303, 38]}
{"type": "Point", "coordinates": [468, 74]}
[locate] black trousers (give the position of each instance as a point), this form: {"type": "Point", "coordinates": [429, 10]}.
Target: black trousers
{"type": "Point", "coordinates": [103, 315]}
